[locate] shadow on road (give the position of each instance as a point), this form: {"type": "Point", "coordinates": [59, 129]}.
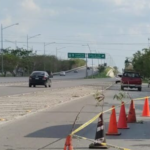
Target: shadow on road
{"type": "Point", "coordinates": [58, 131]}
{"type": "Point", "coordinates": [26, 86]}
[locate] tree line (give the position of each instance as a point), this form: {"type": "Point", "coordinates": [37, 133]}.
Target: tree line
{"type": "Point", "coordinates": [22, 62]}
{"type": "Point", "coordinates": [141, 62]}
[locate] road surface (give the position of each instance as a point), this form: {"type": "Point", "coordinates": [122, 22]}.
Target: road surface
{"type": "Point", "coordinates": [47, 130]}
{"type": "Point", "coordinates": [19, 85]}
{"type": "Point", "coordinates": [81, 74]}
{"type": "Point", "coordinates": [71, 75]}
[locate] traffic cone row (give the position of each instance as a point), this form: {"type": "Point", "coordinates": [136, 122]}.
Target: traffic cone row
{"type": "Point", "coordinates": [113, 125]}
{"type": "Point", "coordinates": [123, 120]}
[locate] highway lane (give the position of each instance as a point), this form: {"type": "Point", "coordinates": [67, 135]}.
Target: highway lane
{"type": "Point", "coordinates": [13, 79]}
{"type": "Point", "coordinates": [14, 86]}
{"type": "Point", "coordinates": [12, 89]}
{"type": "Point", "coordinates": [71, 75]}
{"type": "Point", "coordinates": [47, 130]}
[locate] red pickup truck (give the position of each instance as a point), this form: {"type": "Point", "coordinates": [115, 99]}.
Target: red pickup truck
{"type": "Point", "coordinates": [131, 80]}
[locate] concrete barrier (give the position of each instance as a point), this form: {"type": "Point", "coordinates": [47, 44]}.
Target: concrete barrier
{"type": "Point", "coordinates": [57, 73]}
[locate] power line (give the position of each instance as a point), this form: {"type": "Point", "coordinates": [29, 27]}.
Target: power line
{"type": "Point", "coordinates": [85, 43]}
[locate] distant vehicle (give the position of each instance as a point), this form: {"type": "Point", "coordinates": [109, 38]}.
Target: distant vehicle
{"type": "Point", "coordinates": [131, 80]}
{"type": "Point", "coordinates": [88, 68]}
{"type": "Point", "coordinates": [39, 78]}
{"type": "Point", "coordinates": [148, 83]}
{"type": "Point", "coordinates": [50, 74]}
{"type": "Point", "coordinates": [75, 71]}
{"type": "Point", "coordinates": [118, 78]}
{"type": "Point", "coordinates": [62, 73]}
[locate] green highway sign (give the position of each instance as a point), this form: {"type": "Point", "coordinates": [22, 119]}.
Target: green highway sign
{"type": "Point", "coordinates": [96, 55]}
{"type": "Point", "coordinates": [76, 55]}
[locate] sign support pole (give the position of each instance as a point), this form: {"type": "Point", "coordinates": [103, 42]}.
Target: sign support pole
{"type": "Point", "coordinates": [86, 66]}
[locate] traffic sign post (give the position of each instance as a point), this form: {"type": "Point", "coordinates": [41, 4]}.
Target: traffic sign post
{"type": "Point", "coordinates": [96, 56]}
{"type": "Point", "coordinates": [76, 55]}
{"type": "Point", "coordinates": [87, 55]}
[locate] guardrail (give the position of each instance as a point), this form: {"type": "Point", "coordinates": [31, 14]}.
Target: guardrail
{"type": "Point", "coordinates": [57, 73]}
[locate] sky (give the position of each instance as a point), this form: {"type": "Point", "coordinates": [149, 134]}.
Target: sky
{"type": "Point", "coordinates": [118, 28]}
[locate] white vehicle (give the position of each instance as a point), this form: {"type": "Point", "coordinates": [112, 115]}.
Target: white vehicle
{"type": "Point", "coordinates": [62, 73]}
{"type": "Point", "coordinates": [118, 78]}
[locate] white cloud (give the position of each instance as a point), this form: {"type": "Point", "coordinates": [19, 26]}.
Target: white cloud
{"type": "Point", "coordinates": [49, 12]}
{"type": "Point", "coordinates": [118, 2]}
{"type": "Point", "coordinates": [30, 5]}
{"type": "Point", "coordinates": [7, 20]}
{"type": "Point", "coordinates": [135, 7]}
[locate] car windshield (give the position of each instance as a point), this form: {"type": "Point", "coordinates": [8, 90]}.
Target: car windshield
{"type": "Point", "coordinates": [131, 75]}
{"type": "Point", "coordinates": [38, 74]}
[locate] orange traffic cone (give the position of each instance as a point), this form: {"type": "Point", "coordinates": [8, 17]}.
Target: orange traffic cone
{"type": "Point", "coordinates": [122, 122]}
{"type": "Point", "coordinates": [146, 112]}
{"type": "Point", "coordinates": [131, 116]}
{"type": "Point", "coordinates": [112, 129]}
{"type": "Point", "coordinates": [68, 143]}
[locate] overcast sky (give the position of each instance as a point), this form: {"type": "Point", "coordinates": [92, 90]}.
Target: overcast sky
{"type": "Point", "coordinates": [116, 27]}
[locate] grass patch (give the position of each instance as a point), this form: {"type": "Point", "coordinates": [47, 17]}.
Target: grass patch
{"type": "Point", "coordinates": [144, 80]}
{"type": "Point", "coordinates": [100, 75]}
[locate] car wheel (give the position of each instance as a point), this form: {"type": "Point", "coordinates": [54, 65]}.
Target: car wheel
{"type": "Point", "coordinates": [49, 85]}
{"type": "Point", "coordinates": [30, 85]}
{"type": "Point", "coordinates": [46, 85]}
{"type": "Point", "coordinates": [139, 89]}
{"type": "Point", "coordinates": [122, 88]}
{"type": "Point", "coordinates": [34, 85]}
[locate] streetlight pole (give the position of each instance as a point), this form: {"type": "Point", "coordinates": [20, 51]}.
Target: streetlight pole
{"type": "Point", "coordinates": [59, 49]}
{"type": "Point", "coordinates": [92, 58]}
{"type": "Point", "coordinates": [148, 43]}
{"type": "Point", "coordinates": [31, 38]}
{"type": "Point", "coordinates": [56, 52]}
{"type": "Point", "coordinates": [45, 44]}
{"type": "Point", "coordinates": [96, 53]}
{"type": "Point", "coordinates": [2, 28]}
{"type": "Point", "coordinates": [27, 41]}
{"type": "Point", "coordinates": [2, 47]}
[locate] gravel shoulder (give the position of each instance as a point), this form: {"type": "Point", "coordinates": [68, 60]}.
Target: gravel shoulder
{"type": "Point", "coordinates": [15, 106]}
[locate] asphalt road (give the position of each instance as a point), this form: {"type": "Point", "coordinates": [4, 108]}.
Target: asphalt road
{"type": "Point", "coordinates": [22, 88]}
{"type": "Point", "coordinates": [71, 75]}
{"type": "Point", "coordinates": [19, 85]}
{"type": "Point", "coordinates": [47, 130]}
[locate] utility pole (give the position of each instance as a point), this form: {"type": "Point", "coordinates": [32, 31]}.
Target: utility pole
{"type": "Point", "coordinates": [148, 43]}
{"type": "Point", "coordinates": [27, 42]}
{"type": "Point", "coordinates": [44, 56]}
{"type": "Point", "coordinates": [86, 56]}
{"type": "Point", "coordinates": [92, 59]}
{"type": "Point", "coordinates": [45, 44]}
{"type": "Point", "coordinates": [30, 38]}
{"type": "Point", "coordinates": [2, 28]}
{"type": "Point", "coordinates": [56, 52]}
{"type": "Point", "coordinates": [2, 47]}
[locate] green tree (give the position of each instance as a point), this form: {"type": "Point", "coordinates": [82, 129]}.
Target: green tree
{"type": "Point", "coordinates": [141, 61]}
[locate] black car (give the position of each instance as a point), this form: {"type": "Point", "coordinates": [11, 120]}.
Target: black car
{"type": "Point", "coordinates": [75, 71]}
{"type": "Point", "coordinates": [39, 78]}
